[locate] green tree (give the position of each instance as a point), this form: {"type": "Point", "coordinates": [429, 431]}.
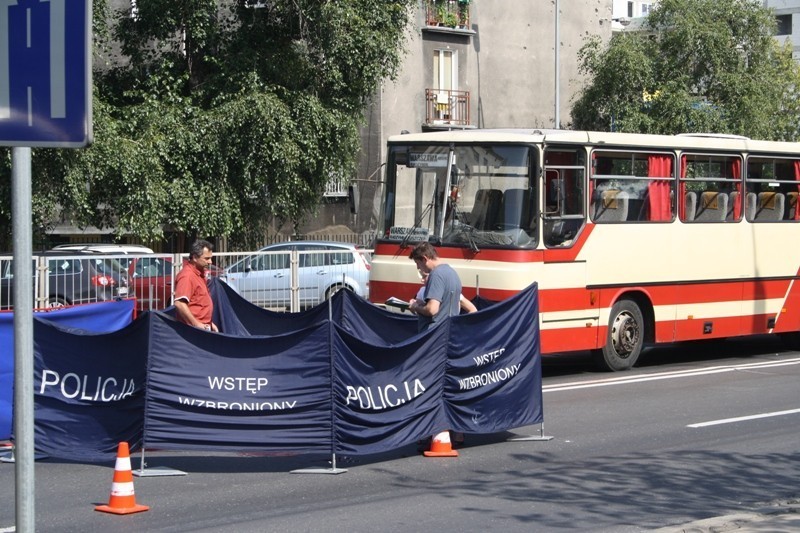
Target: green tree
{"type": "Point", "coordinates": [695, 66]}
{"type": "Point", "coordinates": [213, 117]}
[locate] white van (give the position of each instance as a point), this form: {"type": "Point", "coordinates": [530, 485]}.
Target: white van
{"type": "Point", "coordinates": [101, 248]}
{"type": "Point", "coordinates": [115, 250]}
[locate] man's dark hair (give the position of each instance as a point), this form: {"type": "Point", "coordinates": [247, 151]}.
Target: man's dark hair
{"type": "Point", "coordinates": [197, 248]}
{"type": "Point", "coordinates": [423, 250]}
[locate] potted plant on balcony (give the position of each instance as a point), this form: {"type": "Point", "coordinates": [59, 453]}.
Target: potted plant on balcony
{"type": "Point", "coordinates": [445, 16]}
{"type": "Point", "coordinates": [463, 13]}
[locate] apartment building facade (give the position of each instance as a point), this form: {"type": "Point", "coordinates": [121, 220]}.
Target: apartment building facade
{"type": "Point", "coordinates": [787, 13]}
{"type": "Point", "coordinates": [493, 68]}
{"type": "Point", "coordinates": [625, 11]}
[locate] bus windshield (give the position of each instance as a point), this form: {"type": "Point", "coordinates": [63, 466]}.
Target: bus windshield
{"type": "Point", "coordinates": [464, 195]}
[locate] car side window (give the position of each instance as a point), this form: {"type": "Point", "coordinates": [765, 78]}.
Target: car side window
{"type": "Point", "coordinates": [341, 258]}
{"type": "Point", "coordinates": [275, 259]}
{"type": "Point", "coordinates": [312, 260]}
{"type": "Point", "coordinates": [278, 261]}
{"type": "Point", "coordinates": [258, 262]}
{"type": "Point", "coordinates": [63, 266]}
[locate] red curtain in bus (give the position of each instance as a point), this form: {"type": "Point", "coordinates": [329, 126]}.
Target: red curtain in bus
{"type": "Point", "coordinates": [659, 166]}
{"type": "Point", "coordinates": [682, 190]}
{"type": "Point", "coordinates": [736, 173]}
{"type": "Point", "coordinates": [797, 177]}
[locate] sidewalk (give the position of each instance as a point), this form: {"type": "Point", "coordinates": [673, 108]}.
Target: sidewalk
{"type": "Point", "coordinates": [777, 517]}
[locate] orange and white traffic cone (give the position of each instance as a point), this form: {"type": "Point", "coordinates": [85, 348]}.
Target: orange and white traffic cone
{"type": "Point", "coordinates": [441, 446]}
{"type": "Point", "coordinates": [122, 499]}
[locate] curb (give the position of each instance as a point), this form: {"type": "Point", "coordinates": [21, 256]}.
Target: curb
{"type": "Point", "coordinates": [776, 517]}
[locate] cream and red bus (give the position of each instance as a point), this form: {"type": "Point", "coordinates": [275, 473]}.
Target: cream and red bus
{"type": "Point", "coordinates": [633, 239]}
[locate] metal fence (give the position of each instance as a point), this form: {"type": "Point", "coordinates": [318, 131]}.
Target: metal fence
{"type": "Point", "coordinates": [293, 280]}
{"type": "Point", "coordinates": [289, 280]}
{"type": "Point", "coordinates": [66, 279]}
{"type": "Point", "coordinates": [364, 240]}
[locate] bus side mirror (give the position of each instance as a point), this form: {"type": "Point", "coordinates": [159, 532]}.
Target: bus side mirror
{"type": "Point", "coordinates": [352, 198]}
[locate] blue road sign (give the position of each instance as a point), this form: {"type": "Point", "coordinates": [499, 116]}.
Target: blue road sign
{"type": "Point", "coordinates": [45, 73]}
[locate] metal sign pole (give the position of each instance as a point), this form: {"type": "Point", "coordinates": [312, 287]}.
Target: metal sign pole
{"type": "Point", "coordinates": [23, 337]}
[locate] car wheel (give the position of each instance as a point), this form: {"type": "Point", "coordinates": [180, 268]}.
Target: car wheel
{"type": "Point", "coordinates": [54, 302]}
{"type": "Point", "coordinates": [624, 338]}
{"type": "Point", "coordinates": [333, 290]}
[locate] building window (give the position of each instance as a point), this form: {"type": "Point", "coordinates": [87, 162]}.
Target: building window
{"type": "Point", "coordinates": [444, 70]}
{"type": "Point", "coordinates": [645, 9]}
{"type": "Point", "coordinates": [630, 10]}
{"type": "Point", "coordinates": [784, 24]}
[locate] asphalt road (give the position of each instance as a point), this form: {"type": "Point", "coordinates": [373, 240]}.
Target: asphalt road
{"type": "Point", "coordinates": [696, 431]}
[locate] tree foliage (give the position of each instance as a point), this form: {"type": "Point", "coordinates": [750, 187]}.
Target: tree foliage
{"type": "Point", "coordinates": [213, 117]}
{"type": "Point", "coordinates": [695, 66]}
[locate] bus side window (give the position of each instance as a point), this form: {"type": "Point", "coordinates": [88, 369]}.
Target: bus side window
{"type": "Point", "coordinates": [715, 181]}
{"type": "Point", "coordinates": [773, 187]}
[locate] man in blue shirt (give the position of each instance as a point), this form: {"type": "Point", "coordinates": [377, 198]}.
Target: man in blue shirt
{"type": "Point", "coordinates": [442, 290]}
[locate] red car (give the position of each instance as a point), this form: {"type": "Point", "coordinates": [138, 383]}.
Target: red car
{"type": "Point", "coordinates": [151, 281]}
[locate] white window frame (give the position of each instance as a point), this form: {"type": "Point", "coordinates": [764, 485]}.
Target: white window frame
{"type": "Point", "coordinates": [440, 76]}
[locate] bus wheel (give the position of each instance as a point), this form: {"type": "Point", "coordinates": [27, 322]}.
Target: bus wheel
{"type": "Point", "coordinates": [791, 340]}
{"type": "Point", "coordinates": [624, 338]}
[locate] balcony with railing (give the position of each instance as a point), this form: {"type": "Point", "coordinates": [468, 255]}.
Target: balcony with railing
{"type": "Point", "coordinates": [446, 108]}
{"type": "Point", "coordinates": [447, 13]}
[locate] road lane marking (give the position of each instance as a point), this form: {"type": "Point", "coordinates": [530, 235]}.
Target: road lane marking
{"type": "Point", "coordinates": [743, 418]}
{"type": "Point", "coordinates": [641, 378]}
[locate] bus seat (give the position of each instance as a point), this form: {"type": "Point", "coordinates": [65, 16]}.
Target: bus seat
{"type": "Point", "coordinates": [769, 207]}
{"type": "Point", "coordinates": [791, 205]}
{"type": "Point", "coordinates": [713, 207]}
{"type": "Point", "coordinates": [690, 199]}
{"type": "Point", "coordinates": [611, 205]}
{"type": "Point", "coordinates": [516, 209]}
{"type": "Point", "coordinates": [733, 197]}
{"type": "Point", "coordinates": [486, 208]}
{"type": "Point", "coordinates": [750, 205]}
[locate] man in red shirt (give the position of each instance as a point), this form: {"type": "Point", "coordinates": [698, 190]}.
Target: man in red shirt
{"type": "Point", "coordinates": [192, 300]}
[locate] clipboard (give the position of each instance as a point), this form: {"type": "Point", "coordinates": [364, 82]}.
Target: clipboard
{"type": "Point", "coordinates": [397, 302]}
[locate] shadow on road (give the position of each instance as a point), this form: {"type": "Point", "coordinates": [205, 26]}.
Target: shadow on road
{"type": "Point", "coordinates": [671, 486]}
{"type": "Point", "coordinates": [672, 354]}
